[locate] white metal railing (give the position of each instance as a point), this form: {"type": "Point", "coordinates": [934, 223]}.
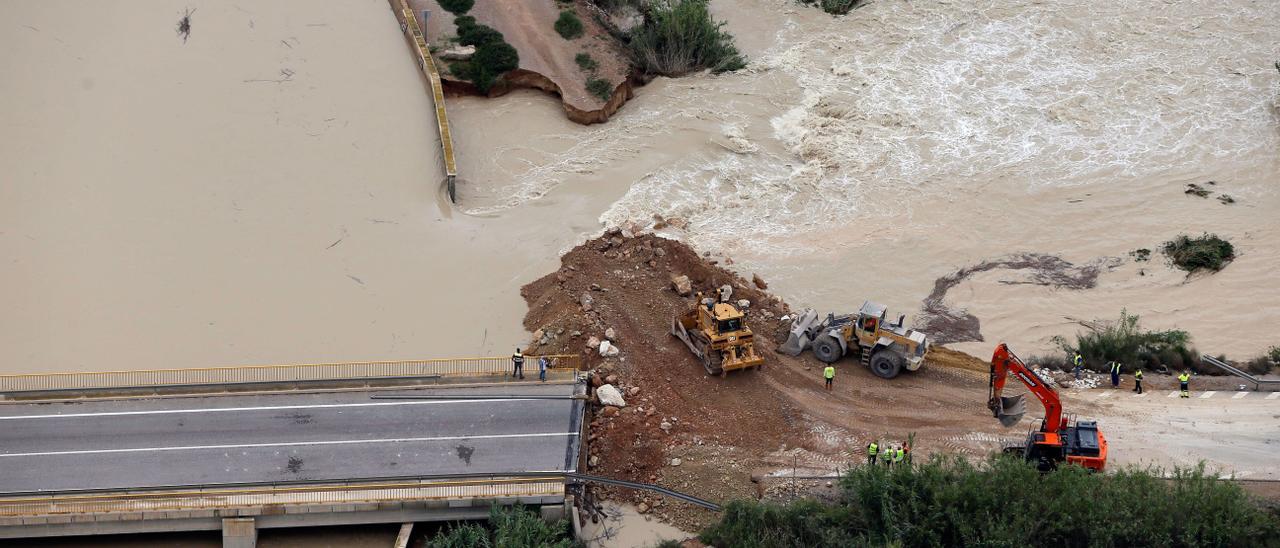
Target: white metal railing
{"type": "Point", "coordinates": [255, 374]}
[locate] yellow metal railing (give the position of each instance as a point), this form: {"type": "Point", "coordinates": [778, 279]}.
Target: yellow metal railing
{"type": "Point", "coordinates": [229, 498]}
{"type": "Point", "coordinates": [255, 374]}
{"type": "Point", "coordinates": [414, 32]}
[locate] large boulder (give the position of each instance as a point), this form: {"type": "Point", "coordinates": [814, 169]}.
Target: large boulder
{"type": "Point", "coordinates": [608, 350]}
{"type": "Point", "coordinates": [609, 395]}
{"type": "Point", "coordinates": [682, 285]}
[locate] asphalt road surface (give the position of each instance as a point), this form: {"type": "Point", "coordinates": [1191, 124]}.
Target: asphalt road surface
{"type": "Point", "coordinates": [323, 436]}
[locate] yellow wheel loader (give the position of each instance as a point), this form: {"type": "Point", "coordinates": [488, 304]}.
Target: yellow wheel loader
{"type": "Point", "coordinates": [717, 334]}
{"type": "Point", "coordinates": [884, 346]}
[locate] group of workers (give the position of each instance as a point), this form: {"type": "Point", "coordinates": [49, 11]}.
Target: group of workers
{"type": "Point", "coordinates": [1115, 367]}
{"type": "Point", "coordinates": [893, 455]}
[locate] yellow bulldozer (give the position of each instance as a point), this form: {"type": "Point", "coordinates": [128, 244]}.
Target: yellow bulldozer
{"type": "Point", "coordinates": [717, 333]}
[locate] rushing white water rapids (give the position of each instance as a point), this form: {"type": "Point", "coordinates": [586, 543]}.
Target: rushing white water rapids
{"type": "Point", "coordinates": [265, 192]}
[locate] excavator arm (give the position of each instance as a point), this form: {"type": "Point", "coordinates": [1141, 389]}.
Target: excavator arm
{"type": "Point", "coordinates": [1010, 409]}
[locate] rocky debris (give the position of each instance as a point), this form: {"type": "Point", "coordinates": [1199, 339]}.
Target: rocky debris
{"type": "Point", "coordinates": [610, 411]}
{"type": "Point", "coordinates": [611, 379]}
{"type": "Point", "coordinates": [611, 334]}
{"type": "Point", "coordinates": [608, 350]}
{"type": "Point", "coordinates": [460, 53]}
{"type": "Point", "coordinates": [607, 394]}
{"type": "Point", "coordinates": [586, 302]}
{"type": "Point", "coordinates": [593, 342]}
{"type": "Point", "coordinates": [676, 462]}
{"type": "Point", "coordinates": [682, 285]}
{"type": "Point", "coordinates": [744, 304]}
{"type": "Point", "coordinates": [642, 508]}
{"type": "Point", "coordinates": [665, 426]}
{"type": "Point", "coordinates": [633, 390]}
{"type": "Point", "coordinates": [759, 282]}
{"type": "Point", "coordinates": [659, 252]}
{"type": "Point", "coordinates": [594, 461]}
{"type": "Point", "coordinates": [575, 333]}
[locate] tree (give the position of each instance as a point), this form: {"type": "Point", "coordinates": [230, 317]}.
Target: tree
{"type": "Point", "coordinates": [457, 7]}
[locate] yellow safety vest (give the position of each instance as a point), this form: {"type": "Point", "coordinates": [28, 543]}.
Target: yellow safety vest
{"type": "Point", "coordinates": [1079, 360]}
{"type": "Point", "coordinates": [1115, 367]}
{"type": "Point", "coordinates": [897, 455]}
{"type": "Point", "coordinates": [1137, 376]}
{"type": "Point", "coordinates": [1184, 377]}
{"type": "Point", "coordinates": [873, 449]}
{"type": "Point", "coordinates": [829, 372]}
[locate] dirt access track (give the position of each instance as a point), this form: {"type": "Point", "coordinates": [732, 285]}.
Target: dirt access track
{"type": "Point", "coordinates": [708, 436]}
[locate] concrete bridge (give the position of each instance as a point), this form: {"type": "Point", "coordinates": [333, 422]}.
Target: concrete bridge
{"type": "Point", "coordinates": [243, 448]}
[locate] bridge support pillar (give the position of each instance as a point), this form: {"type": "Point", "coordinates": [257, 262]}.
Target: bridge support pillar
{"type": "Point", "coordinates": [239, 533]}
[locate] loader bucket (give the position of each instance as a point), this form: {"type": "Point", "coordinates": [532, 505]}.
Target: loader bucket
{"type": "Point", "coordinates": [798, 339]}
{"type": "Point", "coordinates": [1011, 409]}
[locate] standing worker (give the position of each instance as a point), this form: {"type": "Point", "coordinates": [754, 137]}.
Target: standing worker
{"type": "Point", "coordinates": [1078, 362]}
{"type": "Point", "coordinates": [1184, 379]}
{"type": "Point", "coordinates": [543, 362]}
{"type": "Point", "coordinates": [1115, 374]}
{"type": "Point", "coordinates": [829, 373]}
{"type": "Point", "coordinates": [898, 455]}
{"type": "Point", "coordinates": [517, 364]}
{"type": "Point", "coordinates": [873, 449]}
{"type": "Point", "coordinates": [1137, 381]}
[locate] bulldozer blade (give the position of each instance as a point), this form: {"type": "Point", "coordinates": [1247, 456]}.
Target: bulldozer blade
{"type": "Point", "coordinates": [798, 339]}
{"type": "Point", "coordinates": [1012, 408]}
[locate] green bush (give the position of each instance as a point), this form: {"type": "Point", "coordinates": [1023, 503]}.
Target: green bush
{"type": "Point", "coordinates": [1260, 365]}
{"type": "Point", "coordinates": [1126, 342]}
{"type": "Point", "coordinates": [585, 62]}
{"type": "Point", "coordinates": [457, 7]}
{"type": "Point", "coordinates": [463, 21]}
{"type": "Point", "coordinates": [834, 7]}
{"type": "Point", "coordinates": [1274, 354]}
{"type": "Point", "coordinates": [568, 25]}
{"type": "Point", "coordinates": [679, 36]}
{"type": "Point", "coordinates": [490, 61]}
{"type": "Point", "coordinates": [600, 88]}
{"type": "Point", "coordinates": [1206, 252]}
{"type": "Point", "coordinates": [1006, 502]}
{"type": "Point", "coordinates": [479, 35]}
{"type": "Point", "coordinates": [507, 528]}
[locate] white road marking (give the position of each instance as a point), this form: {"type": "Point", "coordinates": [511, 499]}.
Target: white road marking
{"type": "Point", "coordinates": [1274, 395]}
{"type": "Point", "coordinates": [1208, 394]}
{"type": "Point", "coordinates": [1103, 395]}
{"type": "Point", "coordinates": [264, 408]}
{"type": "Point", "coordinates": [285, 444]}
{"type": "Point", "coordinates": [1239, 395]}
{"type": "Point", "coordinates": [1173, 394]}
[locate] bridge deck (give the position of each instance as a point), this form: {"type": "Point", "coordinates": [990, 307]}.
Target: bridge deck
{"type": "Point", "coordinates": [262, 438]}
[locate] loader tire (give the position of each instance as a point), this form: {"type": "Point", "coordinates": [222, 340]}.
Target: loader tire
{"type": "Point", "coordinates": [886, 364]}
{"type": "Point", "coordinates": [827, 348]}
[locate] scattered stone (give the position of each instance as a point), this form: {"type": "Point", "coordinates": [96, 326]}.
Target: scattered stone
{"type": "Point", "coordinates": [611, 334]}
{"type": "Point", "coordinates": [665, 426]}
{"type": "Point", "coordinates": [586, 301]}
{"type": "Point", "coordinates": [609, 395]}
{"type": "Point", "coordinates": [611, 379]}
{"type": "Point", "coordinates": [610, 411]}
{"type": "Point", "coordinates": [596, 287]}
{"type": "Point", "coordinates": [595, 381]}
{"type": "Point", "coordinates": [608, 350]}
{"type": "Point", "coordinates": [760, 284]}
{"type": "Point", "coordinates": [744, 304]}
{"type": "Point", "coordinates": [615, 241]}
{"type": "Point", "coordinates": [537, 335]}
{"type": "Point", "coordinates": [675, 462]}
{"type": "Point", "coordinates": [575, 334]}
{"type": "Point", "coordinates": [594, 461]}
{"type": "Point", "coordinates": [460, 53]}
{"type": "Point", "coordinates": [593, 342]}
{"type": "Point", "coordinates": [659, 252]}
{"type": "Point", "coordinates": [643, 508]}
{"type": "Point", "coordinates": [682, 285]}
{"type": "Point", "coordinates": [649, 412]}
{"type": "Point", "coordinates": [633, 390]}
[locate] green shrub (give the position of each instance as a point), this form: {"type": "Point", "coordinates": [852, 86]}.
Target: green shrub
{"type": "Point", "coordinates": [1126, 342]}
{"type": "Point", "coordinates": [679, 36]}
{"type": "Point", "coordinates": [507, 527]}
{"type": "Point", "coordinates": [1206, 252]}
{"type": "Point", "coordinates": [568, 25]}
{"type": "Point", "coordinates": [1260, 365]}
{"type": "Point", "coordinates": [1274, 354]}
{"type": "Point", "coordinates": [834, 7]}
{"type": "Point", "coordinates": [600, 88]}
{"type": "Point", "coordinates": [463, 21]}
{"type": "Point", "coordinates": [949, 501]}
{"type": "Point", "coordinates": [479, 35]}
{"type": "Point", "coordinates": [490, 61]}
{"type": "Point", "coordinates": [585, 62]}
{"type": "Point", "coordinates": [457, 7]}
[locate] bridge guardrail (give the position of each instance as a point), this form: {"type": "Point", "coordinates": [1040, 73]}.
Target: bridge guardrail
{"type": "Point", "coordinates": [288, 373]}
{"type": "Point", "coordinates": [1257, 383]}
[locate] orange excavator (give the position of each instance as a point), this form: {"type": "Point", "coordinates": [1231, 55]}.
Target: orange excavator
{"type": "Point", "coordinates": [1057, 440]}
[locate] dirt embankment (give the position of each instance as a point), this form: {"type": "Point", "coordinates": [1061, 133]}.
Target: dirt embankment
{"type": "Point", "coordinates": [548, 61]}
{"type": "Point", "coordinates": [709, 435]}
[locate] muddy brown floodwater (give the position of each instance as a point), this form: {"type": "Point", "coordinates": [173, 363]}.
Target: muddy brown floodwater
{"type": "Point", "coordinates": [268, 190]}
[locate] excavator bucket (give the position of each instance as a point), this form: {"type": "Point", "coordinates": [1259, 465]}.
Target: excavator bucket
{"type": "Point", "coordinates": [798, 339]}
{"type": "Point", "coordinates": [1011, 410]}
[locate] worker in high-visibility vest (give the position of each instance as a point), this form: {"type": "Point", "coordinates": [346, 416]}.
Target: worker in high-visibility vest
{"type": "Point", "coordinates": [873, 449]}
{"type": "Point", "coordinates": [517, 364]}
{"type": "Point", "coordinates": [1115, 374]}
{"type": "Point", "coordinates": [829, 373]}
{"type": "Point", "coordinates": [1184, 379]}
{"type": "Point", "coordinates": [898, 455]}
{"type": "Point", "coordinates": [1078, 362]}
{"type": "Point", "coordinates": [1137, 381]}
